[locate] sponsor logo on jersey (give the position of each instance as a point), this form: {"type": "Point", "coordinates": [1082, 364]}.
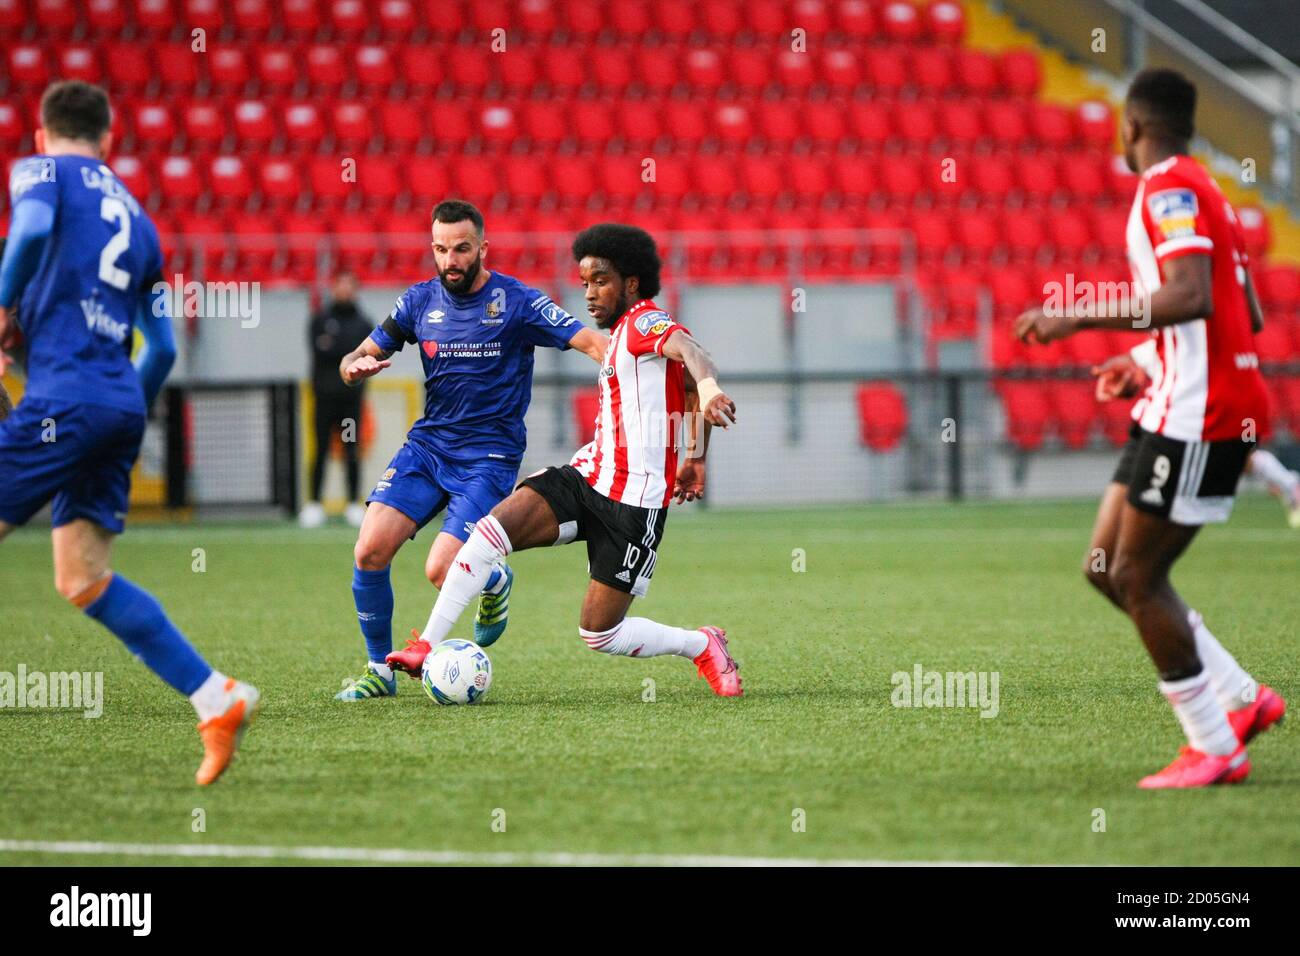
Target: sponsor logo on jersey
{"type": "Point", "coordinates": [624, 576]}
{"type": "Point", "coordinates": [436, 316]}
{"type": "Point", "coordinates": [101, 323]}
{"type": "Point", "coordinates": [555, 315]}
{"type": "Point", "coordinates": [28, 173]}
{"type": "Point", "coordinates": [1174, 212]}
{"type": "Point", "coordinates": [430, 347]}
{"type": "Point", "coordinates": [388, 475]}
{"type": "Point", "coordinates": [659, 328]}
{"type": "Point", "coordinates": [607, 371]}
{"type": "Point", "coordinates": [493, 310]}
{"type": "Point", "coordinates": [645, 322]}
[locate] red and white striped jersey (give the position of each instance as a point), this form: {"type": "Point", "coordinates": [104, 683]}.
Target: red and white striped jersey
{"type": "Point", "coordinates": [1205, 383]}
{"type": "Point", "coordinates": [633, 458]}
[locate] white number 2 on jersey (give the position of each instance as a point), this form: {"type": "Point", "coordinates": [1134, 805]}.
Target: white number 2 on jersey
{"type": "Point", "coordinates": [114, 210]}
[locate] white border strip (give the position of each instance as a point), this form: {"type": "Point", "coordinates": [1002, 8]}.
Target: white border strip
{"type": "Point", "coordinates": [431, 857]}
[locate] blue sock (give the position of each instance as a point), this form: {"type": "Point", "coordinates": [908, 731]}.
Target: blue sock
{"type": "Point", "coordinates": [373, 594]}
{"type": "Point", "coordinates": [136, 617]}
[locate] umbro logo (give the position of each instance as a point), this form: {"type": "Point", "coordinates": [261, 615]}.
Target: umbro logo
{"type": "Point", "coordinates": [435, 316]}
{"type": "Point", "coordinates": [624, 576]}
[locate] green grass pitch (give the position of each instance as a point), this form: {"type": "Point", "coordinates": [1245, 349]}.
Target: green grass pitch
{"type": "Point", "coordinates": [579, 762]}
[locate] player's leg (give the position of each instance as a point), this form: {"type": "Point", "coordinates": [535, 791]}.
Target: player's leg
{"type": "Point", "coordinates": [5, 528]}
{"type": "Point", "coordinates": [384, 530]}
{"type": "Point", "coordinates": [622, 551]}
{"type": "Point", "coordinates": [1282, 482]}
{"type": "Point", "coordinates": [1101, 548]}
{"type": "Point", "coordinates": [1146, 549]}
{"type": "Point", "coordinates": [88, 512]}
{"type": "Point", "coordinates": [350, 411]}
{"type": "Point", "coordinates": [312, 514]}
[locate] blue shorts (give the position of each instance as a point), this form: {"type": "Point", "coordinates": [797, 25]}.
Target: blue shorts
{"type": "Point", "coordinates": [420, 483]}
{"type": "Point", "coordinates": [77, 454]}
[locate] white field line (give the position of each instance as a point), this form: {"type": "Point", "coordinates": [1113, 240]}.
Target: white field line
{"type": "Point", "coordinates": [431, 857]}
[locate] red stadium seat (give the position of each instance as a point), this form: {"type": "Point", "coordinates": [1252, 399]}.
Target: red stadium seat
{"type": "Point", "coordinates": [254, 125]}
{"type": "Point", "coordinates": [327, 70]}
{"type": "Point", "coordinates": [841, 70]}
{"type": "Point", "coordinates": [945, 21]}
{"type": "Point", "coordinates": [1069, 233]}
{"type": "Point", "coordinates": [976, 71]}
{"type": "Point", "coordinates": [79, 63]}
{"type": "Point", "coordinates": [397, 18]}
{"type": "Point", "coordinates": [1096, 123]}
{"type": "Point", "coordinates": [979, 234]}
{"type": "Point", "coordinates": [882, 415]}
{"type": "Point", "coordinates": [179, 181]}
{"type": "Point", "coordinates": [870, 122]}
{"type": "Point", "coordinates": [732, 123]}
{"type": "Point", "coordinates": [721, 19]}
{"type": "Point", "coordinates": [328, 186]}
{"type": "Point", "coordinates": [428, 178]}
{"type": "Point", "coordinates": [794, 71]}
{"type": "Point", "coordinates": [1084, 177]}
{"type": "Point", "coordinates": [1006, 122]}
{"type": "Point", "coordinates": [1255, 228]}
{"type": "Point", "coordinates": [448, 19]}
{"type": "Point", "coordinates": [855, 177]}
{"type": "Point", "coordinates": [12, 129]}
{"type": "Point", "coordinates": [704, 70]}
{"type": "Point", "coordinates": [545, 123]}
{"type": "Point", "coordinates": [586, 409]}
{"type": "Point", "coordinates": [107, 18]}
{"type": "Point", "coordinates": [228, 69]}
{"type": "Point", "coordinates": [27, 66]}
{"type": "Point", "coordinates": [715, 177]}
{"type": "Point", "coordinates": [252, 18]}
{"type": "Point", "coordinates": [1123, 182]}
{"type": "Point", "coordinates": [675, 19]}
{"type": "Point", "coordinates": [1022, 74]}
{"type": "Point", "coordinates": [887, 70]}
{"type": "Point", "coordinates": [348, 18]}
{"type": "Point", "coordinates": [469, 69]}
{"type": "Point", "coordinates": [1273, 343]}
{"type": "Point", "coordinates": [1116, 420]}
{"type": "Point", "coordinates": [856, 19]}
{"type": "Point", "coordinates": [205, 14]}
{"type": "Point", "coordinates": [1027, 414]}
{"type": "Point", "coordinates": [933, 231]}
{"type": "Point", "coordinates": [133, 174]}
{"type": "Point", "coordinates": [517, 70]}
{"type": "Point", "coordinates": [205, 125]}
{"type": "Point", "coordinates": [374, 67]}
{"type": "Point", "coordinates": [565, 69]}
{"type": "Point", "coordinates": [177, 66]}
{"type": "Point", "coordinates": [1025, 233]}
{"type": "Point", "coordinates": [1036, 175]}
{"type": "Point", "coordinates": [657, 69]}
{"type": "Point", "coordinates": [498, 124]}
{"type": "Point", "coordinates": [527, 180]}
{"type": "Point", "coordinates": [994, 175]}
{"type": "Point", "coordinates": [611, 68]}
{"type": "Point", "coordinates": [961, 122]}
{"type": "Point", "coordinates": [278, 69]}
{"type": "Point", "coordinates": [1012, 291]}
{"type": "Point", "coordinates": [592, 121]}
{"type": "Point", "coordinates": [350, 121]}
{"type": "Point", "coordinates": [824, 123]}
{"type": "Point", "coordinates": [1052, 125]}
{"type": "Point", "coordinates": [154, 127]}
{"type": "Point", "coordinates": [918, 123]}
{"type": "Point", "coordinates": [303, 127]}
{"type": "Point", "coordinates": [451, 128]}
{"type": "Point", "coordinates": [901, 22]}
{"type": "Point", "coordinates": [379, 180]}
{"type": "Point", "coordinates": [151, 17]}
{"type": "Point", "coordinates": [809, 177]}
{"type": "Point", "coordinates": [130, 68]}
{"type": "Point", "coordinates": [902, 181]}
{"type": "Point", "coordinates": [421, 67]}
{"type": "Point", "coordinates": [56, 17]}
{"type": "Point", "coordinates": [279, 181]}
{"type": "Point", "coordinates": [404, 127]}
{"type": "Point", "coordinates": [1074, 409]}
{"type": "Point", "coordinates": [231, 183]}
{"type": "Point", "coordinates": [1278, 286]}
{"type": "Point", "coordinates": [932, 69]}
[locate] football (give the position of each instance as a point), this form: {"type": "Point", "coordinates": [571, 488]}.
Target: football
{"type": "Point", "coordinates": [457, 672]}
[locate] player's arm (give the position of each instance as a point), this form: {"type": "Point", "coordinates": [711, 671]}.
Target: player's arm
{"type": "Point", "coordinates": [367, 359]}
{"type": "Point", "coordinates": [717, 407]}
{"type": "Point", "coordinates": [30, 226]}
{"type": "Point", "coordinates": [591, 343]}
{"type": "Point", "coordinates": [1252, 301]}
{"type": "Point", "coordinates": [689, 483]}
{"type": "Point", "coordinates": [1186, 294]}
{"type": "Point", "coordinates": [156, 359]}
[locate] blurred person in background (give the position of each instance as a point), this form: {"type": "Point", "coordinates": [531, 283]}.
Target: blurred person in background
{"type": "Point", "coordinates": [334, 328]}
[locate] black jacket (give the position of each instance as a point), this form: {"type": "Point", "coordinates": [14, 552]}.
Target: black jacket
{"type": "Point", "coordinates": [335, 331]}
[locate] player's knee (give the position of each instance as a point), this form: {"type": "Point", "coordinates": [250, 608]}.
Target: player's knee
{"type": "Point", "coordinates": [1096, 575]}
{"type": "Point", "coordinates": [436, 571]}
{"type": "Point", "coordinates": [74, 583]}
{"type": "Point", "coordinates": [370, 556]}
{"type": "Point", "coordinates": [1131, 582]}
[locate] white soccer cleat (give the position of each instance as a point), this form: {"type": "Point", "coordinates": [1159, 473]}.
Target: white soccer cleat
{"type": "Point", "coordinates": [354, 514]}
{"type": "Point", "coordinates": [312, 515]}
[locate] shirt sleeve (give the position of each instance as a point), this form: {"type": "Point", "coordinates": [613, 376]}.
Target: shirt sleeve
{"type": "Point", "coordinates": [1174, 215]}
{"type": "Point", "coordinates": [34, 178]}
{"type": "Point", "coordinates": [546, 324]}
{"type": "Point", "coordinates": [399, 328]}
{"type": "Point", "coordinates": [650, 332]}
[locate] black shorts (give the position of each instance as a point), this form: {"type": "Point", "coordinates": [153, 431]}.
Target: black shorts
{"type": "Point", "coordinates": [622, 540]}
{"type": "Point", "coordinates": [1191, 483]}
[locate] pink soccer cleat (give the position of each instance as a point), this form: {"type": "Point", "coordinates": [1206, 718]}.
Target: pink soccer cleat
{"type": "Point", "coordinates": [1266, 710]}
{"type": "Point", "coordinates": [1194, 768]}
{"type": "Point", "coordinates": [716, 665]}
{"type": "Point", "coordinates": [410, 658]}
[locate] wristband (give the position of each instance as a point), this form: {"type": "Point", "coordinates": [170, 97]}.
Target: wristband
{"type": "Point", "coordinates": [708, 389]}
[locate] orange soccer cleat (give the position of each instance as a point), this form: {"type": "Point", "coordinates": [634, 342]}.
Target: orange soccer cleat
{"type": "Point", "coordinates": [1195, 768]}
{"type": "Point", "coordinates": [410, 658]}
{"type": "Point", "coordinates": [222, 734]}
{"type": "Point", "coordinates": [717, 666]}
{"type": "Point", "coordinates": [1266, 710]}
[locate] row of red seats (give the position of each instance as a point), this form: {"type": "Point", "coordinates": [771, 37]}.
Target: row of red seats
{"type": "Point", "coordinates": [611, 69]}
{"type": "Point", "coordinates": [939, 20]}
{"type": "Point", "coordinates": [950, 129]}
{"type": "Point", "coordinates": [1025, 217]}
{"type": "Point", "coordinates": [1070, 411]}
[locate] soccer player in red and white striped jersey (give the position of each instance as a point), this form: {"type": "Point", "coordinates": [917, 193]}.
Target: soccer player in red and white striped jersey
{"type": "Point", "coordinates": [1193, 430]}
{"type": "Point", "coordinates": [615, 492]}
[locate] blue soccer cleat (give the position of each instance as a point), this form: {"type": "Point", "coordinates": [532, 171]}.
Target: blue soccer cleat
{"type": "Point", "coordinates": [493, 611]}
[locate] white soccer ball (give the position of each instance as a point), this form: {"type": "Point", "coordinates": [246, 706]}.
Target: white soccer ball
{"type": "Point", "coordinates": [457, 672]}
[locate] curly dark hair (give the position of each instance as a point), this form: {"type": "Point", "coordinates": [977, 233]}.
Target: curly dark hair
{"type": "Point", "coordinates": [630, 249]}
{"type": "Point", "coordinates": [1168, 98]}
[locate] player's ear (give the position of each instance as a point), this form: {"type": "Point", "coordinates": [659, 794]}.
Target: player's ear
{"type": "Point", "coordinates": [482, 249]}
{"type": "Point", "coordinates": [632, 285]}
{"type": "Point", "coordinates": [106, 145]}
{"type": "Point", "coordinates": [39, 140]}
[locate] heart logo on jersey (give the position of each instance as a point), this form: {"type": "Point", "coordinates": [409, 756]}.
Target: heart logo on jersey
{"type": "Point", "coordinates": [430, 347]}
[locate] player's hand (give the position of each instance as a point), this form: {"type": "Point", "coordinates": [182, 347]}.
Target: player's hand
{"type": "Point", "coordinates": [721, 411]}
{"type": "Point", "coordinates": [364, 367]}
{"type": "Point", "coordinates": [689, 485]}
{"type": "Point", "coordinates": [1119, 377]}
{"type": "Point", "coordinates": [1043, 328]}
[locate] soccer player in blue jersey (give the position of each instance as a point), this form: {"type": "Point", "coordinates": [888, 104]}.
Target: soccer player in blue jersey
{"type": "Point", "coordinates": [476, 331]}
{"type": "Point", "coordinates": [81, 268]}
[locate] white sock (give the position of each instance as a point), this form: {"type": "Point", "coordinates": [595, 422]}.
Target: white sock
{"type": "Point", "coordinates": [1204, 720]}
{"type": "Point", "coordinates": [501, 581]}
{"type": "Point", "coordinates": [1266, 465]}
{"type": "Point", "coordinates": [210, 699]}
{"type": "Point", "coordinates": [465, 578]}
{"type": "Point", "coordinates": [1232, 685]}
{"type": "Point", "coordinates": [382, 669]}
{"type": "Point", "coordinates": [642, 637]}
